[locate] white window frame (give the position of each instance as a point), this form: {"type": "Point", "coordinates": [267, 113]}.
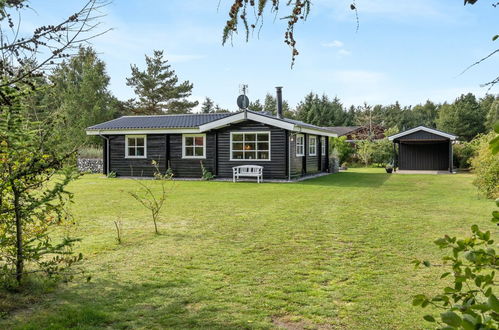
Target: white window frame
{"type": "Point", "coordinates": [323, 146]}
{"type": "Point", "coordinates": [136, 137]}
{"type": "Point", "coordinates": [256, 143]}
{"type": "Point", "coordinates": [184, 136]}
{"type": "Point", "coordinates": [312, 145]}
{"type": "Point", "coordinates": [300, 146]}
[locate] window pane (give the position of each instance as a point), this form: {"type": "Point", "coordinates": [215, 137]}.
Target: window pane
{"type": "Point", "coordinates": [249, 146]}
{"type": "Point", "coordinates": [263, 137]}
{"type": "Point", "coordinates": [131, 151]}
{"type": "Point", "coordinates": [198, 151]}
{"type": "Point", "coordinates": [140, 142]}
{"type": "Point", "coordinates": [250, 137]}
{"type": "Point", "coordinates": [199, 141]}
{"type": "Point", "coordinates": [237, 146]}
{"type": "Point", "coordinates": [131, 142]}
{"type": "Point", "coordinates": [237, 155]}
{"type": "Point", "coordinates": [189, 141]}
{"type": "Point", "coordinates": [189, 151]}
{"type": "Point", "coordinates": [249, 155]}
{"type": "Point", "coordinates": [263, 155]}
{"type": "Point", "coordinates": [237, 137]}
{"type": "Point", "coordinates": [263, 146]}
{"type": "Point", "coordinates": [140, 151]}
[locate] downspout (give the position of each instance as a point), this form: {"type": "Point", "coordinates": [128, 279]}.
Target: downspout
{"type": "Point", "coordinates": [107, 152]}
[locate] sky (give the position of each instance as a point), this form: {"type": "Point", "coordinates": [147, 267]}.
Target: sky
{"type": "Point", "coordinates": [404, 50]}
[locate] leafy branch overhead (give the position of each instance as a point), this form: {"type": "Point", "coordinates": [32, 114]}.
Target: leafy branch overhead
{"type": "Point", "coordinates": [298, 10]}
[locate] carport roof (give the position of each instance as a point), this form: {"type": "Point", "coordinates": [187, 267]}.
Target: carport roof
{"type": "Point", "coordinates": [425, 129]}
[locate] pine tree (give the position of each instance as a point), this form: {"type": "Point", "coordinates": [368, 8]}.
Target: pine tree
{"type": "Point", "coordinates": [158, 88]}
{"type": "Point", "coordinates": [80, 96]}
{"type": "Point", "coordinates": [464, 118]}
{"type": "Point", "coordinates": [208, 106]}
{"type": "Point", "coordinates": [256, 105]}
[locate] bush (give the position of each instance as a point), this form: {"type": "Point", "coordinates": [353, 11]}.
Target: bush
{"type": "Point", "coordinates": [463, 152]}
{"type": "Point", "coordinates": [469, 302]}
{"type": "Point", "coordinates": [486, 167]}
{"type": "Point", "coordinates": [342, 149]}
{"type": "Point", "coordinates": [90, 152]}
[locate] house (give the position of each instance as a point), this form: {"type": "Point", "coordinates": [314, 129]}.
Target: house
{"type": "Point", "coordinates": [287, 149]}
{"type": "Point", "coordinates": [423, 148]}
{"type": "Point", "coordinates": [355, 133]}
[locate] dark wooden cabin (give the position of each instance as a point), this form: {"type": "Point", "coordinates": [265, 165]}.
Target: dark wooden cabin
{"type": "Point", "coordinates": [423, 148]}
{"type": "Point", "coordinates": [287, 149]}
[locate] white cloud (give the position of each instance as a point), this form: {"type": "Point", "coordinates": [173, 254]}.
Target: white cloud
{"type": "Point", "coordinates": [344, 52]}
{"type": "Point", "coordinates": [334, 43]}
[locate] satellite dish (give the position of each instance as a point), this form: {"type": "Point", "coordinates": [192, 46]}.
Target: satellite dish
{"type": "Point", "coordinates": [243, 102]}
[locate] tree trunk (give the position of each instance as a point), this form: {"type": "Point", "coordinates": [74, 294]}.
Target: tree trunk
{"type": "Point", "coordinates": [19, 236]}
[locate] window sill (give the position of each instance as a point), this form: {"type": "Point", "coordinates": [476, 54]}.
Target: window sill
{"type": "Point", "coordinates": [187, 157]}
{"type": "Point", "coordinates": [132, 157]}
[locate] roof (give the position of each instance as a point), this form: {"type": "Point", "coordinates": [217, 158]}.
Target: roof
{"type": "Point", "coordinates": [343, 130]}
{"type": "Point", "coordinates": [159, 121]}
{"type": "Point", "coordinates": [197, 123]}
{"type": "Point", "coordinates": [425, 129]}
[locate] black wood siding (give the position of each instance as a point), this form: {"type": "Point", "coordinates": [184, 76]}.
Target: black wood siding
{"type": "Point", "coordinates": [273, 169]}
{"type": "Point", "coordinates": [422, 135]}
{"type": "Point", "coordinates": [191, 168]}
{"type": "Point", "coordinates": [296, 162]}
{"type": "Point", "coordinates": [312, 161]}
{"type": "Point", "coordinates": [424, 156]}
{"type": "Point", "coordinates": [137, 167]}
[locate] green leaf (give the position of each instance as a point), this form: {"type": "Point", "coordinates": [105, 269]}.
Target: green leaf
{"type": "Point", "coordinates": [451, 318]}
{"type": "Point", "coordinates": [445, 275]}
{"type": "Point", "coordinates": [429, 318]}
{"type": "Point", "coordinates": [494, 38]}
{"type": "Point", "coordinates": [493, 303]}
{"type": "Point", "coordinates": [469, 322]}
{"type": "Point", "coordinates": [426, 263]}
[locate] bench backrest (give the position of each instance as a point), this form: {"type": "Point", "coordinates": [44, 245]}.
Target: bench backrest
{"type": "Point", "coordinates": [243, 169]}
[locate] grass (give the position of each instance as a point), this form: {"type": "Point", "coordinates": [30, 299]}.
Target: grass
{"type": "Point", "coordinates": [332, 252]}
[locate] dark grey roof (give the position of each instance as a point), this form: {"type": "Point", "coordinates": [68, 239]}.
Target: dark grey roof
{"type": "Point", "coordinates": [181, 121]}
{"type": "Point", "coordinates": [342, 130]}
{"type": "Point", "coordinates": [160, 121]}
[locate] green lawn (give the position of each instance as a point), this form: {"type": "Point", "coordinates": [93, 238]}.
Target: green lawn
{"type": "Point", "coordinates": [332, 252]}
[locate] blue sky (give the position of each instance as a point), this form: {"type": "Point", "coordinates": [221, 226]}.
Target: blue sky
{"type": "Point", "coordinates": [405, 50]}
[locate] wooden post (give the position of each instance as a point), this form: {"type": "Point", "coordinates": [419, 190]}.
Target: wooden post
{"type": "Point", "coordinates": [451, 156]}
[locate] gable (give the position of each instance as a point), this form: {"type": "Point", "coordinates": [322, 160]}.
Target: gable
{"type": "Point", "coordinates": [422, 133]}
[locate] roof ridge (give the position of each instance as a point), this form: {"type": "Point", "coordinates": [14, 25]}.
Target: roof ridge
{"type": "Point", "coordinates": [178, 114]}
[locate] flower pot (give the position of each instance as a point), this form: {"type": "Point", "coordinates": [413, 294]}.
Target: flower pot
{"type": "Point", "coordinates": [389, 170]}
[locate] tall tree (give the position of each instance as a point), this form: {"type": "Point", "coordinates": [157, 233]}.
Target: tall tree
{"type": "Point", "coordinates": [464, 118]}
{"type": "Point", "coordinates": [426, 114]}
{"type": "Point", "coordinates": [33, 179]}
{"type": "Point", "coordinates": [80, 95]}
{"type": "Point", "coordinates": [158, 88]}
{"type": "Point", "coordinates": [208, 106]}
{"type": "Point", "coordinates": [270, 106]}
{"type": "Point", "coordinates": [493, 115]}
{"type": "Point", "coordinates": [255, 105]}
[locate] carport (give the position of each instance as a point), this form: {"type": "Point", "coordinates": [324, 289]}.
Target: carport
{"type": "Point", "coordinates": [423, 149]}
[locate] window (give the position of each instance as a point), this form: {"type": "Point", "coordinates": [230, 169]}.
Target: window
{"type": "Point", "coordinates": [312, 145]}
{"type": "Point", "coordinates": [300, 145]}
{"type": "Point", "coordinates": [323, 146]}
{"type": "Point", "coordinates": [249, 146]}
{"type": "Point", "coordinates": [194, 146]}
{"type": "Point", "coordinates": [135, 146]}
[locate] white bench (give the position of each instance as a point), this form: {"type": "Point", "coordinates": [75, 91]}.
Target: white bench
{"type": "Point", "coordinates": [247, 171]}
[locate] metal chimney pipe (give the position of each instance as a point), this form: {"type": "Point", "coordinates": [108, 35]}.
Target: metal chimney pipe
{"type": "Point", "coordinates": [279, 102]}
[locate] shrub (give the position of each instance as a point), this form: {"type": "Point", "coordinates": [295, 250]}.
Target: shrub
{"type": "Point", "coordinates": [90, 152]}
{"type": "Point", "coordinates": [207, 175]}
{"type": "Point", "coordinates": [470, 302]}
{"type": "Point", "coordinates": [463, 152]}
{"type": "Point", "coordinates": [486, 167]}
{"type": "Point", "coordinates": [342, 149]}
{"type": "Point", "coordinates": [365, 151]}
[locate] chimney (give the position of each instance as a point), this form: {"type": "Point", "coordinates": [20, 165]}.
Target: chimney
{"type": "Point", "coordinates": [279, 102]}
